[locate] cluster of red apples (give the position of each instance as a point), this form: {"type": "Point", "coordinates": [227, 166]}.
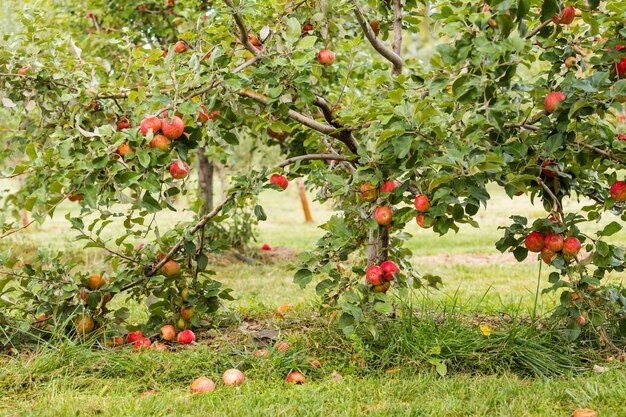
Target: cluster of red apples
{"type": "Point", "coordinates": [381, 276]}
{"type": "Point", "coordinates": [140, 342]}
{"type": "Point", "coordinates": [551, 244]}
{"type": "Point", "coordinates": [384, 214]}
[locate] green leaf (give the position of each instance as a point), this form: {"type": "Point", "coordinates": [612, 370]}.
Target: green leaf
{"type": "Point", "coordinates": [202, 261]}
{"type": "Point", "coordinates": [260, 213]}
{"type": "Point", "coordinates": [303, 277]}
{"type": "Point", "coordinates": [293, 31]}
{"type": "Point", "coordinates": [307, 42]}
{"type": "Point", "coordinates": [610, 229]}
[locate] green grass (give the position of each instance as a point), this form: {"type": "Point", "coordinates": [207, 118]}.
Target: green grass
{"type": "Point", "coordinates": [486, 376]}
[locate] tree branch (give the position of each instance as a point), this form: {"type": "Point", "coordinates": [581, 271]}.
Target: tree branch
{"type": "Point", "coordinates": [387, 53]}
{"type": "Point", "coordinates": [601, 152]}
{"type": "Point", "coordinates": [243, 31]}
{"type": "Point", "coordinates": [312, 157]}
{"type": "Point", "coordinates": [538, 28]}
{"type": "Point", "coordinates": [313, 124]}
{"type": "Point", "coordinates": [397, 33]}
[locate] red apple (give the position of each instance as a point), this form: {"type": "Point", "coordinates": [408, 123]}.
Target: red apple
{"type": "Point", "coordinates": [266, 247]}
{"type": "Point", "coordinates": [549, 168]}
{"type": "Point", "coordinates": [621, 136]}
{"type": "Point", "coordinates": [279, 180]}
{"type": "Point", "coordinates": [186, 337]}
{"type": "Point", "coordinates": [552, 100]}
{"type": "Point", "coordinates": [295, 377]}
{"type": "Point", "coordinates": [261, 353]}
{"type": "Point", "coordinates": [383, 215]}
{"type": "Point", "coordinates": [186, 312]}
{"type": "Point", "coordinates": [168, 332]}
{"type": "Point", "coordinates": [326, 57]}
{"type": "Point", "coordinates": [115, 341]}
{"type": "Point", "coordinates": [314, 362]}
{"type": "Point", "coordinates": [233, 377]}
{"type": "Point", "coordinates": [535, 241]}
{"type": "Point", "coordinates": [179, 169]}
{"type": "Point", "coordinates": [173, 129]}
{"type": "Point", "coordinates": [424, 222]}
{"type": "Point", "coordinates": [132, 337]}
{"type": "Point", "coordinates": [554, 242]}
{"type": "Point", "coordinates": [389, 268]}
{"type": "Point", "coordinates": [369, 193]}
{"type": "Point", "coordinates": [581, 320]}
{"type": "Point", "coordinates": [122, 123]}
{"type": "Point", "coordinates": [283, 309]}
{"type": "Point", "coordinates": [374, 275]}
{"type": "Point", "coordinates": [170, 269]}
{"type": "Point", "coordinates": [124, 149]}
{"type": "Point", "coordinates": [142, 343]}
{"type": "Point", "coordinates": [95, 282]}
{"type": "Point", "coordinates": [89, 15]}
{"type": "Point", "coordinates": [275, 135]}
{"type": "Point", "coordinates": [203, 115]}
{"type": "Point", "coordinates": [159, 346]}
{"type": "Point", "coordinates": [421, 203]}
{"type": "Point", "coordinates": [180, 46]}
{"type": "Point", "coordinates": [201, 385]}
{"type": "Point", "coordinates": [84, 325]}
{"type": "Point", "coordinates": [566, 16]}
{"type": "Point", "coordinates": [23, 70]}
{"type": "Point", "coordinates": [571, 247]}
{"type": "Point", "coordinates": [160, 142]}
{"type": "Point", "coordinates": [150, 123]}
{"type": "Point", "coordinates": [382, 287]}
{"type": "Point", "coordinates": [618, 191]}
{"type": "Point", "coordinates": [388, 186]}
{"type": "Point", "coordinates": [307, 27]}
{"type": "Point", "coordinates": [254, 40]}
{"type": "Point", "coordinates": [547, 255]}
{"type": "Point", "coordinates": [571, 62]}
{"type": "Point", "coordinates": [76, 197]}
{"type": "Point", "coordinates": [620, 67]}
{"type": "Point", "coordinates": [375, 25]}
{"type": "Point", "coordinates": [281, 346]}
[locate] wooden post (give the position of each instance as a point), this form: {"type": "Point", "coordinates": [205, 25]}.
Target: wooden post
{"type": "Point", "coordinates": [305, 202]}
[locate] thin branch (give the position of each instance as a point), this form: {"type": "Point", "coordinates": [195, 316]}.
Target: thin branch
{"type": "Point", "coordinates": [313, 124]}
{"type": "Point", "coordinates": [247, 64]}
{"type": "Point", "coordinates": [16, 175]}
{"type": "Point", "coordinates": [326, 110]}
{"type": "Point", "coordinates": [555, 200]}
{"type": "Point", "coordinates": [340, 133]}
{"type": "Point", "coordinates": [538, 28]}
{"type": "Point", "coordinates": [523, 126]}
{"type": "Point", "coordinates": [243, 31]}
{"type": "Point", "coordinates": [601, 152]}
{"type": "Point", "coordinates": [397, 33]}
{"type": "Point", "coordinates": [312, 157]}
{"type": "Point", "coordinates": [387, 53]}
{"type": "Point", "coordinates": [12, 231]}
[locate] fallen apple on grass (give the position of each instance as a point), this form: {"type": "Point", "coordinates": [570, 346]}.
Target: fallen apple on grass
{"type": "Point", "coordinates": [233, 377]}
{"type": "Point", "coordinates": [201, 385]}
{"type": "Point", "coordinates": [186, 337]}
{"type": "Point", "coordinates": [295, 377]}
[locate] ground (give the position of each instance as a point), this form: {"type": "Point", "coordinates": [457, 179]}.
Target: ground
{"type": "Point", "coordinates": [485, 376]}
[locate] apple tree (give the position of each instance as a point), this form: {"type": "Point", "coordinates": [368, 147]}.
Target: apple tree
{"type": "Point", "coordinates": [110, 101]}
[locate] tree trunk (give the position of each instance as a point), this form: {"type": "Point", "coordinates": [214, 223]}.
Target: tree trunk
{"type": "Point", "coordinates": [205, 180]}
{"type": "Point", "coordinates": [377, 246]}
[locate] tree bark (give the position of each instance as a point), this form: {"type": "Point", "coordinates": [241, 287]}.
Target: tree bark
{"type": "Point", "coordinates": [205, 180]}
